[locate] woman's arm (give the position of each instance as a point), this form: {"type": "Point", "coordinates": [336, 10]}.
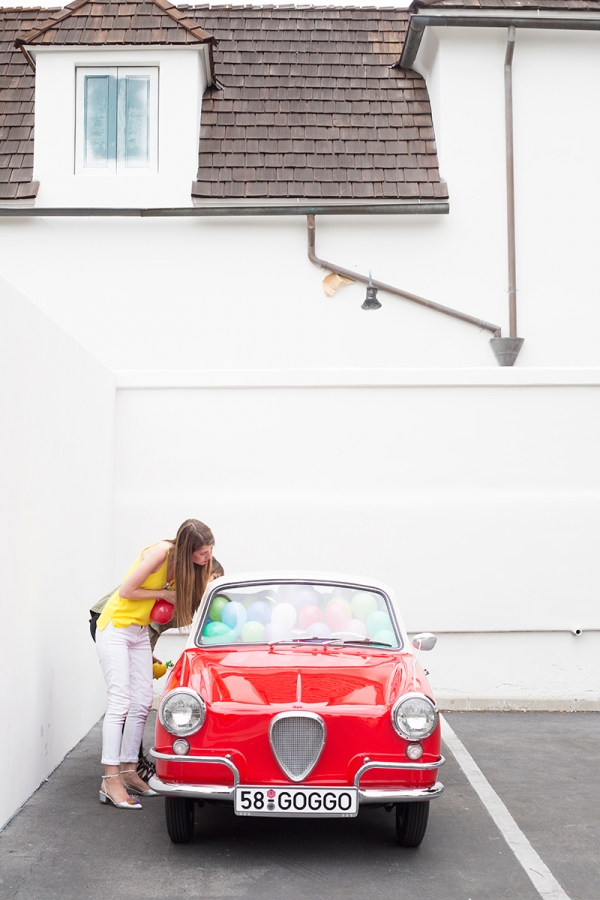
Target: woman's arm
{"type": "Point", "coordinates": [151, 561]}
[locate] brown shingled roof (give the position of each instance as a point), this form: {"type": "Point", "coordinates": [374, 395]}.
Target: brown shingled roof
{"type": "Point", "coordinates": [311, 108]}
{"type": "Point", "coordinates": [553, 5]}
{"type": "Point", "coordinates": [128, 22]}
{"type": "Point", "coordinates": [17, 85]}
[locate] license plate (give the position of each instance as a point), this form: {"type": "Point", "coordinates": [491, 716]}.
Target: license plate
{"type": "Point", "coordinates": [284, 801]}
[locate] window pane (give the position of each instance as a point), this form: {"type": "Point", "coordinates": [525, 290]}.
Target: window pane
{"type": "Point", "coordinates": [99, 131]}
{"type": "Point", "coordinates": [134, 120]}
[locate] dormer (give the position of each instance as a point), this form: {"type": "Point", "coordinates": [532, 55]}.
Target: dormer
{"type": "Point", "coordinates": [118, 95]}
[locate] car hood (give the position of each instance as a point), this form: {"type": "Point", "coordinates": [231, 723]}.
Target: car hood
{"type": "Point", "coordinates": [312, 676]}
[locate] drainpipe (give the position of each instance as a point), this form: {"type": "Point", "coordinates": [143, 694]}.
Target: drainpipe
{"type": "Point", "coordinates": [507, 348]}
{"type": "Point", "coordinates": [389, 289]}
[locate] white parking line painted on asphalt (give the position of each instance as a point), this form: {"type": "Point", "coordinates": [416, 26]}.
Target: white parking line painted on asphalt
{"type": "Point", "coordinates": [542, 878]}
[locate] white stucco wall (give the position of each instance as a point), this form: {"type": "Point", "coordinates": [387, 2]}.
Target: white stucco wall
{"type": "Point", "coordinates": [473, 491]}
{"type": "Point", "coordinates": [480, 505]}
{"type": "Point", "coordinates": [56, 540]}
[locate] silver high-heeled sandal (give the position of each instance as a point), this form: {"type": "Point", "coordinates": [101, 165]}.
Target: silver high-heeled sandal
{"type": "Point", "coordinates": [104, 797]}
{"type": "Point", "coordinates": [133, 790]}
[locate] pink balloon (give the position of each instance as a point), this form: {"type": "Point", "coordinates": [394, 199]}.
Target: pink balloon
{"type": "Point", "coordinates": [336, 616]}
{"type": "Point", "coordinates": [357, 626]}
{"type": "Point", "coordinates": [308, 615]}
{"type": "Point", "coordinates": [283, 614]}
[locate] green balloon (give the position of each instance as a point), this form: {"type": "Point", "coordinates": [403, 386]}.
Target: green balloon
{"type": "Point", "coordinates": [252, 632]}
{"type": "Point", "coordinates": [363, 604]}
{"type": "Point", "coordinates": [385, 637]}
{"type": "Point", "coordinates": [378, 621]}
{"type": "Point", "coordinates": [215, 629]}
{"type": "Point", "coordinates": [216, 607]}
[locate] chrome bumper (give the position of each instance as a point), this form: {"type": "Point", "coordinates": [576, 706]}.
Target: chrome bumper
{"type": "Point", "coordinates": [366, 796]}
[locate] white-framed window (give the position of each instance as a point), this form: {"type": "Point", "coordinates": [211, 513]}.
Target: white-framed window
{"type": "Point", "coordinates": [116, 125]}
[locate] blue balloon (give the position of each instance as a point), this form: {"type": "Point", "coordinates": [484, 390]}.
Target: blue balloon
{"type": "Point", "coordinates": [318, 629]}
{"type": "Point", "coordinates": [378, 621]}
{"type": "Point", "coordinates": [259, 611]}
{"type": "Point", "coordinates": [234, 615]}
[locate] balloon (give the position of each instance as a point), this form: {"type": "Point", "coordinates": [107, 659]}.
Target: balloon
{"type": "Point", "coordinates": [357, 627]}
{"type": "Point", "coordinates": [318, 629]}
{"type": "Point", "coordinates": [252, 632]}
{"type": "Point", "coordinates": [378, 621]}
{"type": "Point", "coordinates": [162, 612]}
{"type": "Point", "coordinates": [215, 629]}
{"type": "Point", "coordinates": [308, 615]}
{"type": "Point", "coordinates": [386, 637]}
{"type": "Point", "coordinates": [283, 614]}
{"type": "Point", "coordinates": [275, 632]}
{"type": "Point", "coordinates": [305, 595]}
{"type": "Point", "coordinates": [336, 616]}
{"type": "Point", "coordinates": [338, 598]}
{"type": "Point", "coordinates": [259, 611]}
{"type": "Point", "coordinates": [286, 593]}
{"type": "Point", "coordinates": [234, 615]}
{"type": "Point", "coordinates": [216, 606]}
{"type": "Point", "coordinates": [363, 604]}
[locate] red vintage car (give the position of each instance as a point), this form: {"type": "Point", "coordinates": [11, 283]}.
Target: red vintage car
{"type": "Point", "coordinates": [298, 696]}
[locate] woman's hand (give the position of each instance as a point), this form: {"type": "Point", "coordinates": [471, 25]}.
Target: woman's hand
{"type": "Point", "coordinates": [169, 596]}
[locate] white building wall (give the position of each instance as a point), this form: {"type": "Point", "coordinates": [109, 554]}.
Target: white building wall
{"type": "Point", "coordinates": [56, 540]}
{"type": "Point", "coordinates": [476, 495]}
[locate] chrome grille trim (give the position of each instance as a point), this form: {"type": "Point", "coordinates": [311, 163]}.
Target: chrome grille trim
{"type": "Point", "coordinates": [297, 740]}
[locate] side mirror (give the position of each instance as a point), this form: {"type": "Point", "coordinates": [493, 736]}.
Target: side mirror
{"type": "Point", "coordinates": [424, 641]}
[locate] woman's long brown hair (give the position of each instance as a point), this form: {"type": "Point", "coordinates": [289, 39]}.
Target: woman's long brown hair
{"type": "Point", "coordinates": [190, 579]}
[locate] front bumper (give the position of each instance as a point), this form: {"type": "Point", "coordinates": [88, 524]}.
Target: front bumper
{"type": "Point", "coordinates": [366, 796]}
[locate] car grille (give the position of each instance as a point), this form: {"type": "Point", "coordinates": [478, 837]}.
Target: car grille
{"type": "Point", "coordinates": [297, 741]}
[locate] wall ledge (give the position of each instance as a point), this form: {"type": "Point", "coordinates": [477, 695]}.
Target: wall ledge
{"type": "Point", "coordinates": [152, 379]}
{"type": "Point", "coordinates": [515, 704]}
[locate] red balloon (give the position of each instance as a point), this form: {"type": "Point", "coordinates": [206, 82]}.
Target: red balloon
{"type": "Point", "coordinates": [336, 616]}
{"type": "Point", "coordinates": [162, 612]}
{"type": "Point", "coordinates": [308, 615]}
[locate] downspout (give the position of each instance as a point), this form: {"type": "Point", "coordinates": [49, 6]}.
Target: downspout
{"type": "Point", "coordinates": [507, 348]}
{"type": "Point", "coordinates": [389, 289]}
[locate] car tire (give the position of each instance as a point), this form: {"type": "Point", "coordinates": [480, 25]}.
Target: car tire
{"type": "Point", "coordinates": [411, 823]}
{"type": "Point", "coordinates": [179, 813]}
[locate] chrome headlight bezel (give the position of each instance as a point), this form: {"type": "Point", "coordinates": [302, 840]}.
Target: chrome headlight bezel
{"type": "Point", "coordinates": [197, 720]}
{"type": "Point", "coordinates": [401, 726]}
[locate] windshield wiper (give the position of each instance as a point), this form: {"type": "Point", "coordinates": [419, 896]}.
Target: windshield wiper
{"type": "Point", "coordinates": [367, 641]}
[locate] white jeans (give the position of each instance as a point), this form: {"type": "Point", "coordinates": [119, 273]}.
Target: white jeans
{"type": "Point", "coordinates": [126, 659]}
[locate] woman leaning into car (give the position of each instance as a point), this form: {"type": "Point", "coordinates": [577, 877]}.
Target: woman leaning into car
{"type": "Point", "coordinates": [177, 571]}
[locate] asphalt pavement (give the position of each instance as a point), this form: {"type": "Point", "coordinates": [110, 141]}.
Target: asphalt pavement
{"type": "Point", "coordinates": [63, 844]}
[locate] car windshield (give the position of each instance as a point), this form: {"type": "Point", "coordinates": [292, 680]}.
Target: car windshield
{"type": "Point", "coordinates": [288, 611]}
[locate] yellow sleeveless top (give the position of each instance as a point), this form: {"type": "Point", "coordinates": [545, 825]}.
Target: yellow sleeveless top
{"type": "Point", "coordinates": [123, 612]}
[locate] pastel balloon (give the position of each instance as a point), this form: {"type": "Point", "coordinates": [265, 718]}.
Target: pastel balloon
{"type": "Point", "coordinates": [305, 595]}
{"type": "Point", "coordinates": [318, 629]}
{"type": "Point", "coordinates": [378, 621]}
{"type": "Point", "coordinates": [216, 606]}
{"type": "Point", "coordinates": [252, 632]}
{"type": "Point", "coordinates": [259, 611]}
{"type": "Point", "coordinates": [215, 629]}
{"type": "Point", "coordinates": [385, 637]}
{"type": "Point", "coordinates": [308, 615]}
{"type": "Point", "coordinates": [284, 614]}
{"type": "Point", "coordinates": [337, 616]}
{"type": "Point", "coordinates": [338, 598]}
{"type": "Point", "coordinates": [363, 604]}
{"type": "Point", "coordinates": [234, 615]}
{"type": "Point", "coordinates": [275, 632]}
{"type": "Point", "coordinates": [286, 593]}
{"type": "Point", "coordinates": [357, 627]}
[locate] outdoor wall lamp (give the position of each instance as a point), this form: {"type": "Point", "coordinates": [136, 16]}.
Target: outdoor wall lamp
{"type": "Point", "coordinates": [371, 301]}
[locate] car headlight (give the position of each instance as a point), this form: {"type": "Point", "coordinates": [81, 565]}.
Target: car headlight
{"type": "Point", "coordinates": [182, 711]}
{"type": "Point", "coordinates": [414, 717]}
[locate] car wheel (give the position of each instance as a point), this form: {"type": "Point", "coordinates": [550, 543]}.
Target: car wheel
{"type": "Point", "coordinates": [411, 823]}
{"type": "Point", "coordinates": [179, 812]}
